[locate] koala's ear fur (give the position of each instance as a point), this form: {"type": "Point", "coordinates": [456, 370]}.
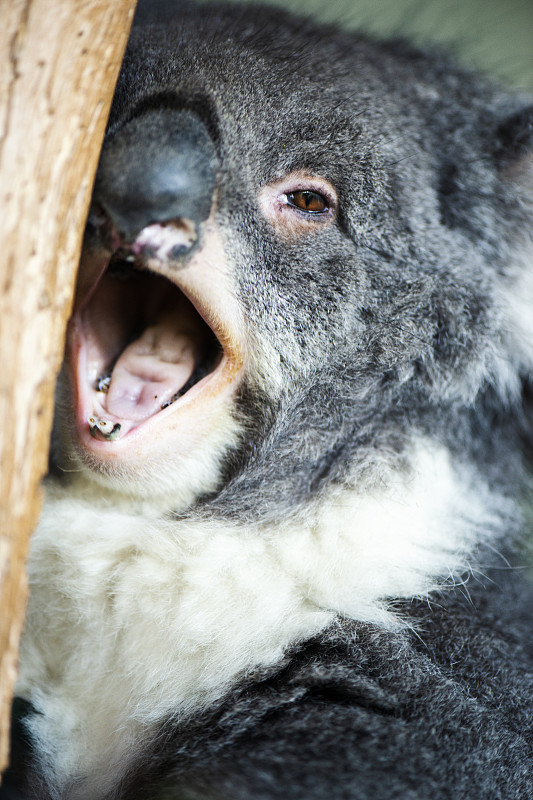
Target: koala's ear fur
{"type": "Point", "coordinates": [514, 148]}
{"type": "Point", "coordinates": [514, 161]}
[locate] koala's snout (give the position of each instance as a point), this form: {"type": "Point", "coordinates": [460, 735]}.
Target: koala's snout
{"type": "Point", "coordinates": [159, 167]}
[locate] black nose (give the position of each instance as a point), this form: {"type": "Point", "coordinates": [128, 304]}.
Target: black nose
{"type": "Point", "coordinates": [158, 167]}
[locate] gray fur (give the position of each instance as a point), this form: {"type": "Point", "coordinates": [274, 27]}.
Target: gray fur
{"type": "Point", "coordinates": [392, 324]}
{"type": "Point", "coordinates": [360, 714]}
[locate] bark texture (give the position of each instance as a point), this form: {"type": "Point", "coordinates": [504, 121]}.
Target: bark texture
{"type": "Point", "coordinates": [59, 60]}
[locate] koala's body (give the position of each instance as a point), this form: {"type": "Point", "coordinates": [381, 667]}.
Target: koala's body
{"type": "Point", "coordinates": [293, 432]}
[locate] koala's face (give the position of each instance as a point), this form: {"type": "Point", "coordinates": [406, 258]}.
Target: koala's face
{"type": "Point", "coordinates": [296, 255]}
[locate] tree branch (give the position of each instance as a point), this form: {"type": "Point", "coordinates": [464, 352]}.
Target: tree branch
{"type": "Point", "coordinates": [59, 60]}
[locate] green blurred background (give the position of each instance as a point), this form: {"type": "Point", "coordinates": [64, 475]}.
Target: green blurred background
{"type": "Point", "coordinates": [494, 35]}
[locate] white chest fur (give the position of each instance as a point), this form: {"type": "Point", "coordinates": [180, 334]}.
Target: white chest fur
{"type": "Point", "coordinates": [134, 616]}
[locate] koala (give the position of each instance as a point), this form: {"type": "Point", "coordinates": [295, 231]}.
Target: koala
{"type": "Point", "coordinates": [281, 553]}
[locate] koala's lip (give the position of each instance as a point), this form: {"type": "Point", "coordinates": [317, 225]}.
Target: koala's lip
{"type": "Point", "coordinates": [199, 294]}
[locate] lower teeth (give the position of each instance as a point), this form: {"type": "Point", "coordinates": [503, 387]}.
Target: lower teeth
{"type": "Point", "coordinates": [104, 427]}
{"type": "Point", "coordinates": [102, 384]}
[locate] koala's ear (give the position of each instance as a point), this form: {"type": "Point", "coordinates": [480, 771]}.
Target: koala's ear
{"type": "Point", "coordinates": [514, 162]}
{"type": "Point", "coordinates": [514, 147]}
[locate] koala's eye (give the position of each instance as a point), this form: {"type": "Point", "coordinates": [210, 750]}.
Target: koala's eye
{"type": "Point", "coordinates": [306, 200]}
{"type": "Point", "coordinates": [299, 204]}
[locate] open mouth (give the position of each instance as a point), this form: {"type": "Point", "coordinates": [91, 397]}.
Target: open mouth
{"type": "Point", "coordinates": [144, 345]}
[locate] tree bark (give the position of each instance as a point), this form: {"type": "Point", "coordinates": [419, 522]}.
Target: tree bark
{"type": "Point", "coordinates": [59, 60]}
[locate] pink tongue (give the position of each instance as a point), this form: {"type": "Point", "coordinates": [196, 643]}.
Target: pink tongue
{"type": "Point", "coordinates": [150, 371]}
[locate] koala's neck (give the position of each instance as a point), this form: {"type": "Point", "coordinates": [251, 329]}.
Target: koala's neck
{"type": "Point", "coordinates": [141, 616]}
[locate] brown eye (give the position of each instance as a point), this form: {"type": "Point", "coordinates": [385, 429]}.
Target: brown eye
{"type": "Point", "coordinates": [305, 200]}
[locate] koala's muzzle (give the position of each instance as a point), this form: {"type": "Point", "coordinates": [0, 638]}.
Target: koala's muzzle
{"type": "Point", "coordinates": [158, 168]}
{"type": "Point", "coordinates": [152, 346]}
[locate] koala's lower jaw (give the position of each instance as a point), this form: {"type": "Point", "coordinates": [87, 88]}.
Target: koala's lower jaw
{"type": "Point", "coordinates": [155, 355]}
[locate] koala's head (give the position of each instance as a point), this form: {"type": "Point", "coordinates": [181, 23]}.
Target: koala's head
{"type": "Point", "coordinates": [304, 247]}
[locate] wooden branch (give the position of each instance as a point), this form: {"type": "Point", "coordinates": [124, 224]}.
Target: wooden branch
{"type": "Point", "coordinates": [59, 60]}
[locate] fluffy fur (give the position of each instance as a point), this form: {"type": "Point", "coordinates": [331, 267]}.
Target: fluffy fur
{"type": "Point", "coordinates": [312, 597]}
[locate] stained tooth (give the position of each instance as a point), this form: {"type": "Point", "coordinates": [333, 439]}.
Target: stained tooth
{"type": "Point", "coordinates": [102, 384]}
{"type": "Point", "coordinates": [104, 427]}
